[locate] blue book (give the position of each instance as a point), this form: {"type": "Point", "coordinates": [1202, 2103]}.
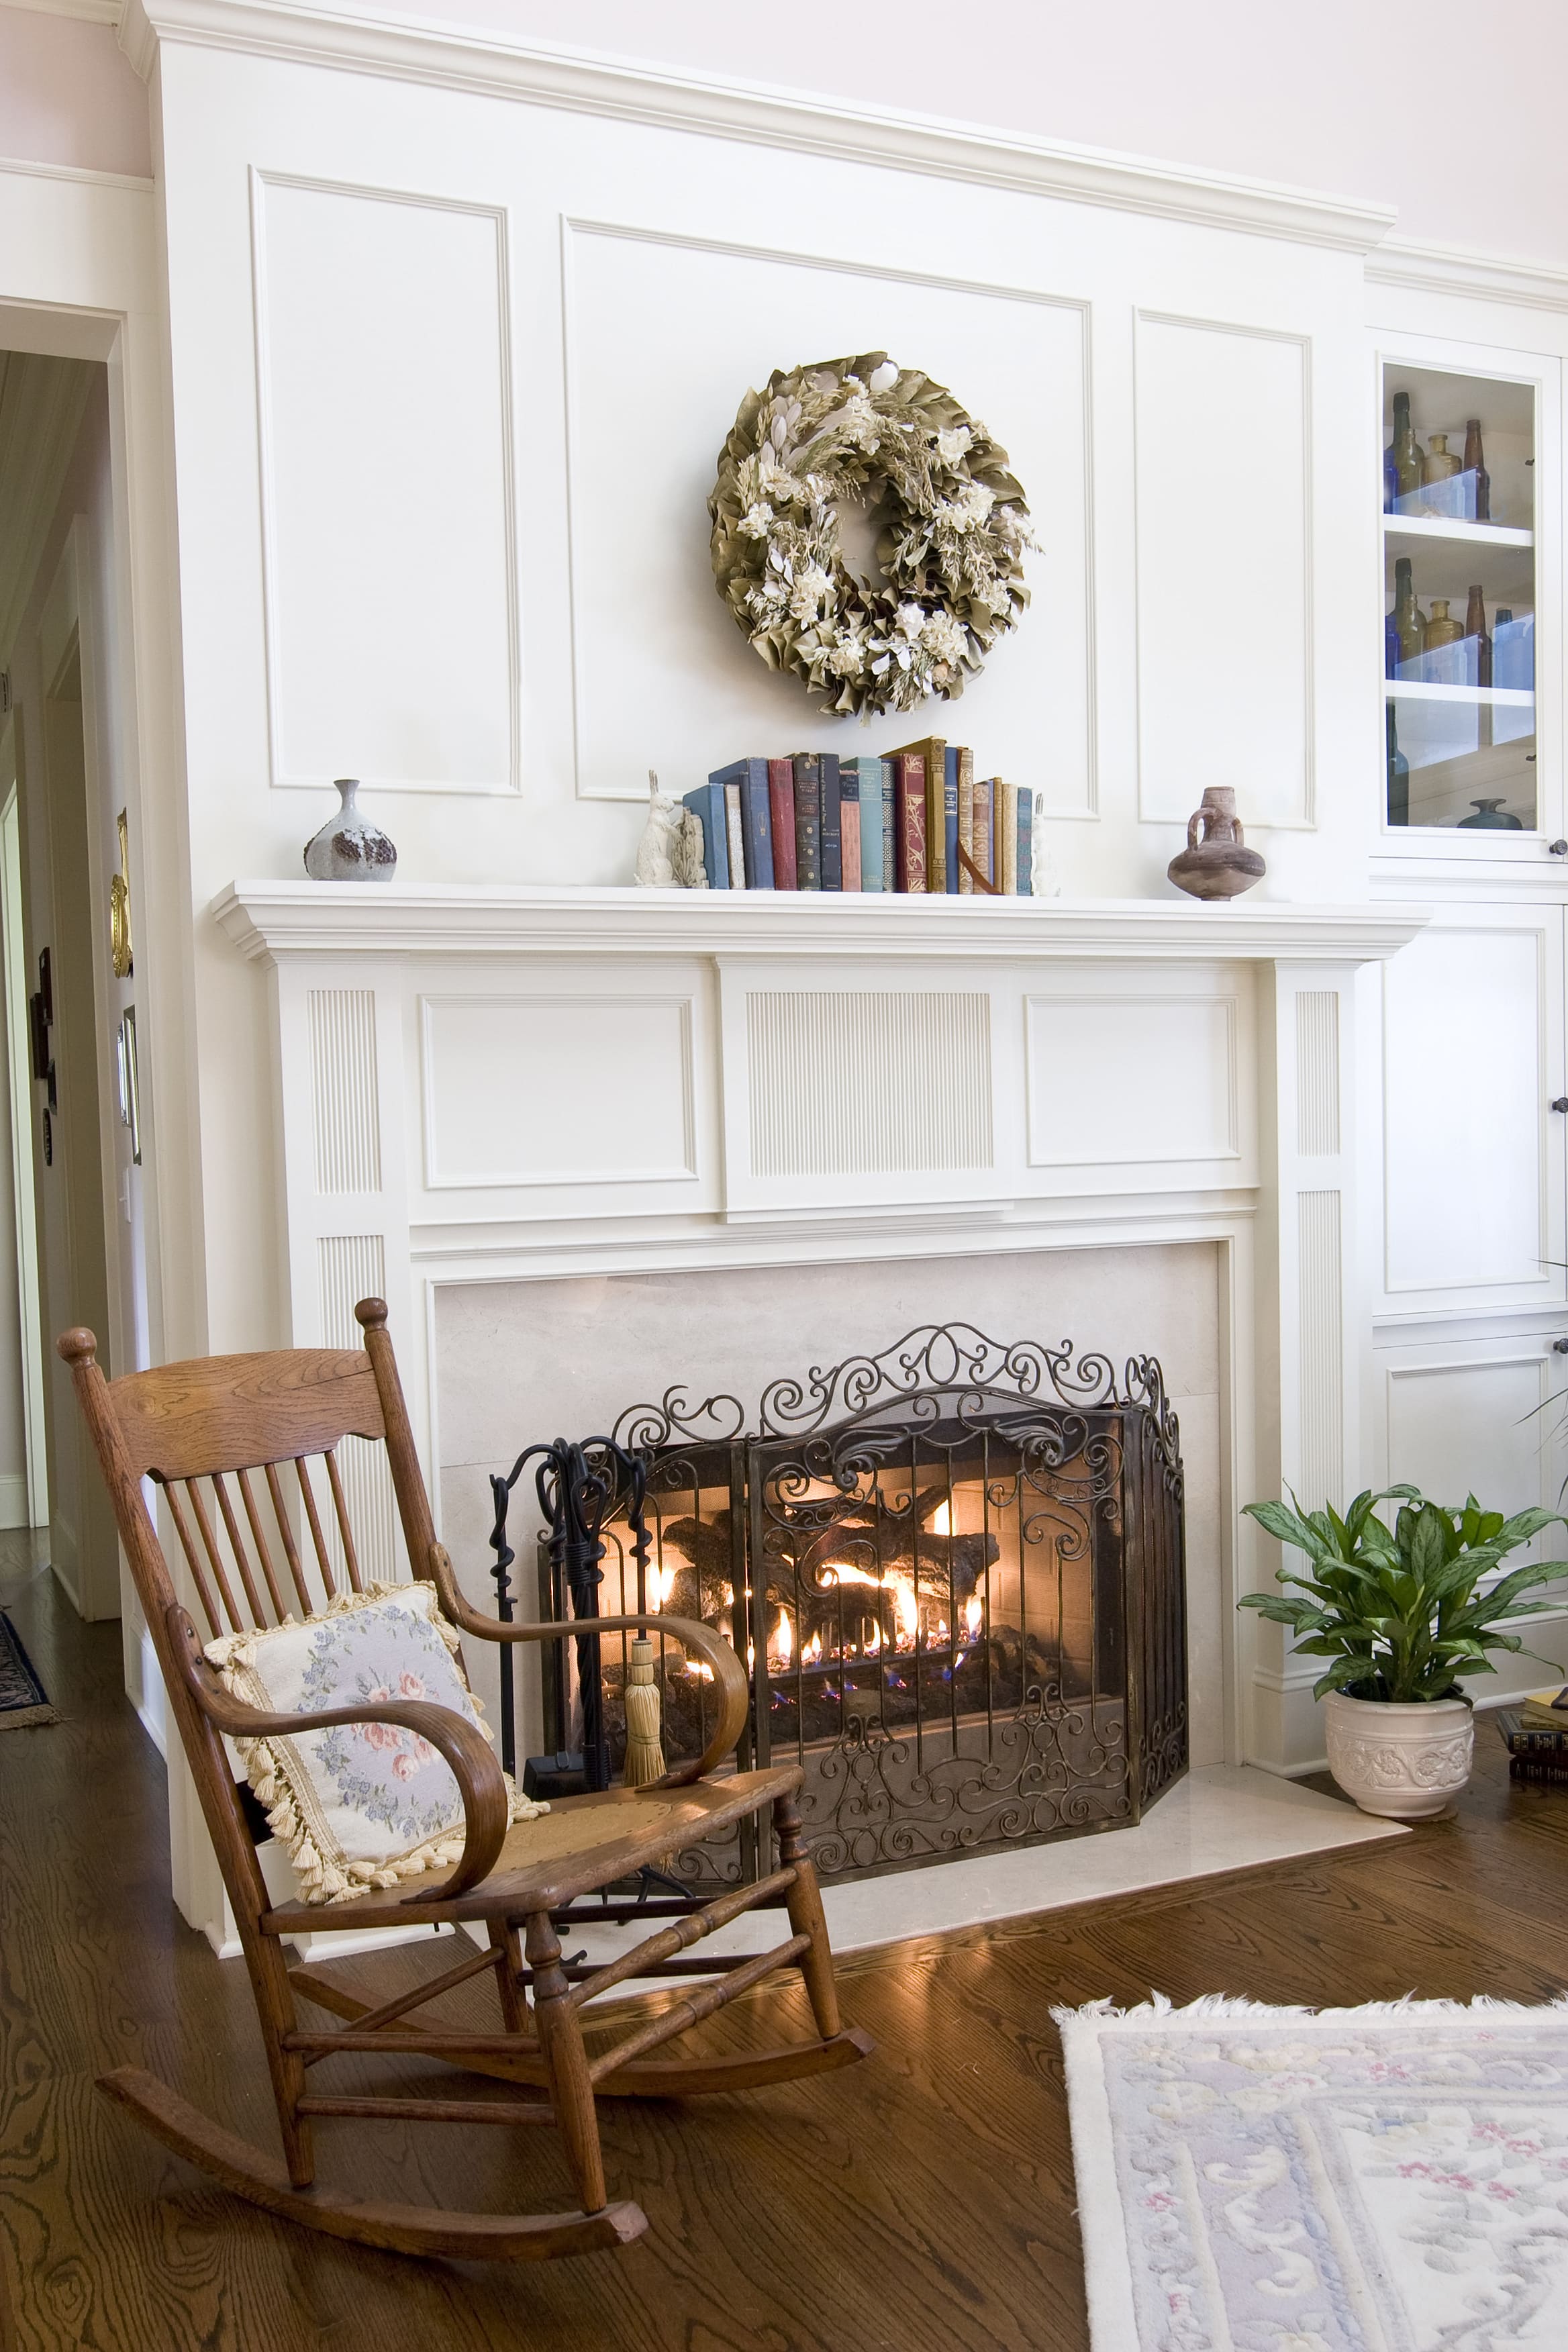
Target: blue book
{"type": "Point", "coordinates": [949, 815]}
{"type": "Point", "coordinates": [890, 827]}
{"type": "Point", "coordinates": [868, 776]}
{"type": "Point", "coordinates": [1025, 844]}
{"type": "Point", "coordinates": [708, 803]}
{"type": "Point", "coordinates": [756, 818]}
{"type": "Point", "coordinates": [832, 839]}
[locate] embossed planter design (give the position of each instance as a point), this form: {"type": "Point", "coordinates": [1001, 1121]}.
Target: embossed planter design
{"type": "Point", "coordinates": [1407, 1763]}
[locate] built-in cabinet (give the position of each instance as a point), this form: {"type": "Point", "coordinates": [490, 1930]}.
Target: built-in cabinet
{"type": "Point", "coordinates": [1465, 1106]}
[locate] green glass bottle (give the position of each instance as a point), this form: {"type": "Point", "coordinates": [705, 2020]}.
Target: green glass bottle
{"type": "Point", "coordinates": [1408, 456]}
{"type": "Point", "coordinates": [1409, 617]}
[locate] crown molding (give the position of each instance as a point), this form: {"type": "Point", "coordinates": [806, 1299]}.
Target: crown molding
{"type": "Point", "coordinates": [1460, 269]}
{"type": "Point", "coordinates": [270, 920]}
{"type": "Point", "coordinates": [78, 173]}
{"type": "Point", "coordinates": [582, 81]}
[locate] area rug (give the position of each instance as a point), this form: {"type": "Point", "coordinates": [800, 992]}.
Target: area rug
{"type": "Point", "coordinates": [24, 1701]}
{"type": "Point", "coordinates": [1392, 2179]}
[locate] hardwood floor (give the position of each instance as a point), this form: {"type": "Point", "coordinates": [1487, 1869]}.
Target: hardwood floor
{"type": "Point", "coordinates": [922, 2200]}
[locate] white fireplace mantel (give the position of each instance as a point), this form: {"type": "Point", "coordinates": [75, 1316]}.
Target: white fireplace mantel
{"type": "Point", "coordinates": [503, 1087]}
{"type": "Point", "coordinates": [275, 919]}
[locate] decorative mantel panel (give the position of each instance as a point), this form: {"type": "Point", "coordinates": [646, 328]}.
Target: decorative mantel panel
{"type": "Point", "coordinates": [495, 1085]}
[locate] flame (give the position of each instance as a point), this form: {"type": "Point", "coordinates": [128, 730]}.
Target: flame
{"type": "Point", "coordinates": [781, 1649]}
{"type": "Point", "coordinates": [941, 1520]}
{"type": "Point", "coordinates": [843, 1572]}
{"type": "Point", "coordinates": [663, 1586]}
{"type": "Point", "coordinates": [973, 1616]}
{"type": "Point", "coordinates": [813, 1650]}
{"type": "Point", "coordinates": [700, 1668]}
{"type": "Point", "coordinates": [906, 1606]}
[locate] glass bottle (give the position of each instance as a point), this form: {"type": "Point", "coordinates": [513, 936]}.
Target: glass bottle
{"type": "Point", "coordinates": [1439, 464]}
{"type": "Point", "coordinates": [1409, 617]}
{"type": "Point", "coordinates": [1476, 464]}
{"type": "Point", "coordinates": [1398, 776]}
{"type": "Point", "coordinates": [1391, 455]}
{"type": "Point", "coordinates": [1476, 627]}
{"type": "Point", "coordinates": [1406, 449]}
{"type": "Point", "coordinates": [1442, 629]}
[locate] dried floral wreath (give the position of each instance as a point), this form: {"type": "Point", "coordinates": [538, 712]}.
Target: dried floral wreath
{"type": "Point", "coordinates": [955, 528]}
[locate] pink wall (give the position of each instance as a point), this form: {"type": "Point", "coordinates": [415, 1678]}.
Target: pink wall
{"type": "Point", "coordinates": [1451, 111]}
{"type": "Point", "coordinates": [67, 96]}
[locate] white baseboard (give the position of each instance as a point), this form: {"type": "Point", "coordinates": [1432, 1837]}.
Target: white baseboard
{"type": "Point", "coordinates": [14, 1512]}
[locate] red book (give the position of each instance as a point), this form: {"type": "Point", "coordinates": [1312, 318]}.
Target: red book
{"type": "Point", "coordinates": [909, 819]}
{"type": "Point", "coordinates": [781, 808]}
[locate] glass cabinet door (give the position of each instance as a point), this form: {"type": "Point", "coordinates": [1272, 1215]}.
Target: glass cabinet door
{"type": "Point", "coordinates": [1458, 560]}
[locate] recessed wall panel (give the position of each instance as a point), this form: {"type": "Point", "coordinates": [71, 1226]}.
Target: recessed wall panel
{"type": "Point", "coordinates": [1463, 1101]}
{"type": "Point", "coordinates": [1223, 602]}
{"type": "Point", "coordinates": [590, 1090]}
{"type": "Point", "coordinates": [387, 530]}
{"type": "Point", "coordinates": [664, 337]}
{"type": "Point", "coordinates": [1119, 1079]}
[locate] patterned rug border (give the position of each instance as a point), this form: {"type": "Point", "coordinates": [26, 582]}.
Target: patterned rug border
{"type": "Point", "coordinates": [1107, 2271]}
{"type": "Point", "coordinates": [25, 1718]}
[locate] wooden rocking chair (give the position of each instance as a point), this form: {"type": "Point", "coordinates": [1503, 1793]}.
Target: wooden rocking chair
{"type": "Point", "coordinates": [220, 1419]}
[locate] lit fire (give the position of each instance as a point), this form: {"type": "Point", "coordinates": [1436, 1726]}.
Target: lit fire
{"type": "Point", "coordinates": [973, 1616]}
{"type": "Point", "coordinates": [781, 1649]}
{"type": "Point", "coordinates": [941, 1520]}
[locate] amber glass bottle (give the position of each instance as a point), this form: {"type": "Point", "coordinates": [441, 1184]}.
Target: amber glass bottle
{"type": "Point", "coordinates": [1442, 629]}
{"type": "Point", "coordinates": [1439, 464]}
{"type": "Point", "coordinates": [1475, 463]}
{"type": "Point", "coordinates": [1476, 627]}
{"type": "Point", "coordinates": [1407, 450]}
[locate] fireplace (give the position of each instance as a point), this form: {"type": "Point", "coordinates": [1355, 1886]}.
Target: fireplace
{"type": "Point", "coordinates": [955, 1569]}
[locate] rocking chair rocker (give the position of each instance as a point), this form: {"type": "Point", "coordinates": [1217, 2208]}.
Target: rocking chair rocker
{"type": "Point", "coordinates": [221, 1418]}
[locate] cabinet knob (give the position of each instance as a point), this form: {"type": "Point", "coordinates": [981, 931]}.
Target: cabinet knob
{"type": "Point", "coordinates": [1557, 850]}
{"type": "Point", "coordinates": [1560, 1102]}
{"type": "Point", "coordinates": [1560, 1347]}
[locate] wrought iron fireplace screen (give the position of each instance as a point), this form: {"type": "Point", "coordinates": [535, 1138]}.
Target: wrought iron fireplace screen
{"type": "Point", "coordinates": [955, 1571]}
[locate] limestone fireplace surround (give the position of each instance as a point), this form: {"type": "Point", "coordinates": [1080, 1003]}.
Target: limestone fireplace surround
{"type": "Point", "coordinates": [590, 1142]}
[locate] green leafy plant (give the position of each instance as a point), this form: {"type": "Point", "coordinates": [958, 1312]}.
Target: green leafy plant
{"type": "Point", "coordinates": [1397, 1611]}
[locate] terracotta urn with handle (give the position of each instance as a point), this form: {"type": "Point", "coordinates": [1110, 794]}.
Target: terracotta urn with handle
{"type": "Point", "coordinates": [1217, 862]}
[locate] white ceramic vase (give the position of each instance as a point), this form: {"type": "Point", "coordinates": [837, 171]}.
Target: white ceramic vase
{"type": "Point", "coordinates": [1406, 1762]}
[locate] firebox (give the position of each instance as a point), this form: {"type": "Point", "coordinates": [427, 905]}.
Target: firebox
{"type": "Point", "coordinates": [955, 1571]}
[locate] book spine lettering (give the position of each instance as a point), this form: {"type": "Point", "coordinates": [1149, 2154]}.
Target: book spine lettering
{"type": "Point", "coordinates": [870, 773]}
{"type": "Point", "coordinates": [849, 822]}
{"type": "Point", "coordinates": [808, 823]}
{"type": "Point", "coordinates": [911, 822]}
{"type": "Point", "coordinates": [950, 820]}
{"type": "Point", "coordinates": [965, 819]}
{"type": "Point", "coordinates": [781, 811]}
{"type": "Point", "coordinates": [936, 817]}
{"type": "Point", "coordinates": [756, 825]}
{"type": "Point", "coordinates": [832, 840]}
{"type": "Point", "coordinates": [890, 829]}
{"type": "Point", "coordinates": [985, 802]}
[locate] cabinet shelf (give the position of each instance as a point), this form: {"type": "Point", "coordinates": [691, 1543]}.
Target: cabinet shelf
{"type": "Point", "coordinates": [1472, 534]}
{"type": "Point", "coordinates": [1503, 698]}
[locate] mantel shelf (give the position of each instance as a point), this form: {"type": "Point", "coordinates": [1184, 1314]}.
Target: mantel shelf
{"type": "Point", "coordinates": [273, 920]}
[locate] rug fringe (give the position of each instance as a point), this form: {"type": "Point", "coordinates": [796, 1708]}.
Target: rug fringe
{"type": "Point", "coordinates": [29, 1719]}
{"type": "Point", "coordinates": [1227, 2007]}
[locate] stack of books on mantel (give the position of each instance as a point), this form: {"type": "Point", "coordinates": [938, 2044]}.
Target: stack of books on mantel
{"type": "Point", "coordinates": [917, 820]}
{"type": "Point", "coordinates": [1535, 1734]}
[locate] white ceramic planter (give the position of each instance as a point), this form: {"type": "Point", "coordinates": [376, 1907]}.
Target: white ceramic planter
{"type": "Point", "coordinates": [1407, 1763]}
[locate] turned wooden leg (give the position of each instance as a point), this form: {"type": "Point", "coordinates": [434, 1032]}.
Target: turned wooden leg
{"type": "Point", "coordinates": [504, 1943]}
{"type": "Point", "coordinates": [566, 2062]}
{"type": "Point", "coordinates": [275, 2008]}
{"type": "Point", "coordinates": [804, 1902]}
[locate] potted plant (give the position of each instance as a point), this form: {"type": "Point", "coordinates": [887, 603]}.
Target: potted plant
{"type": "Point", "coordinates": [1399, 1615]}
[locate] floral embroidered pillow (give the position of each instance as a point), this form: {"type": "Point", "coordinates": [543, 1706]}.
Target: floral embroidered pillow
{"type": "Point", "coordinates": [362, 1804]}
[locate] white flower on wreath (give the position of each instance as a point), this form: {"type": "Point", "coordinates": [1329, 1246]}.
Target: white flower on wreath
{"type": "Point", "coordinates": [953, 442]}
{"type": "Point", "coordinates": [756, 519]}
{"type": "Point", "coordinates": [944, 638]}
{"type": "Point", "coordinates": [908, 620]}
{"type": "Point", "coordinates": [777, 484]}
{"type": "Point", "coordinates": [970, 509]}
{"type": "Point", "coordinates": [812, 590]}
{"type": "Point", "coordinates": [767, 596]}
{"type": "Point", "coordinates": [848, 657]}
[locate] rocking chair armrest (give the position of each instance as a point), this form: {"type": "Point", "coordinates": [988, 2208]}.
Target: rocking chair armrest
{"type": "Point", "coordinates": [728, 1675]}
{"type": "Point", "coordinates": [461, 1745]}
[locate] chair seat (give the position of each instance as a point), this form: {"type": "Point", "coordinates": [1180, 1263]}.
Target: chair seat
{"type": "Point", "coordinates": [581, 1844]}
